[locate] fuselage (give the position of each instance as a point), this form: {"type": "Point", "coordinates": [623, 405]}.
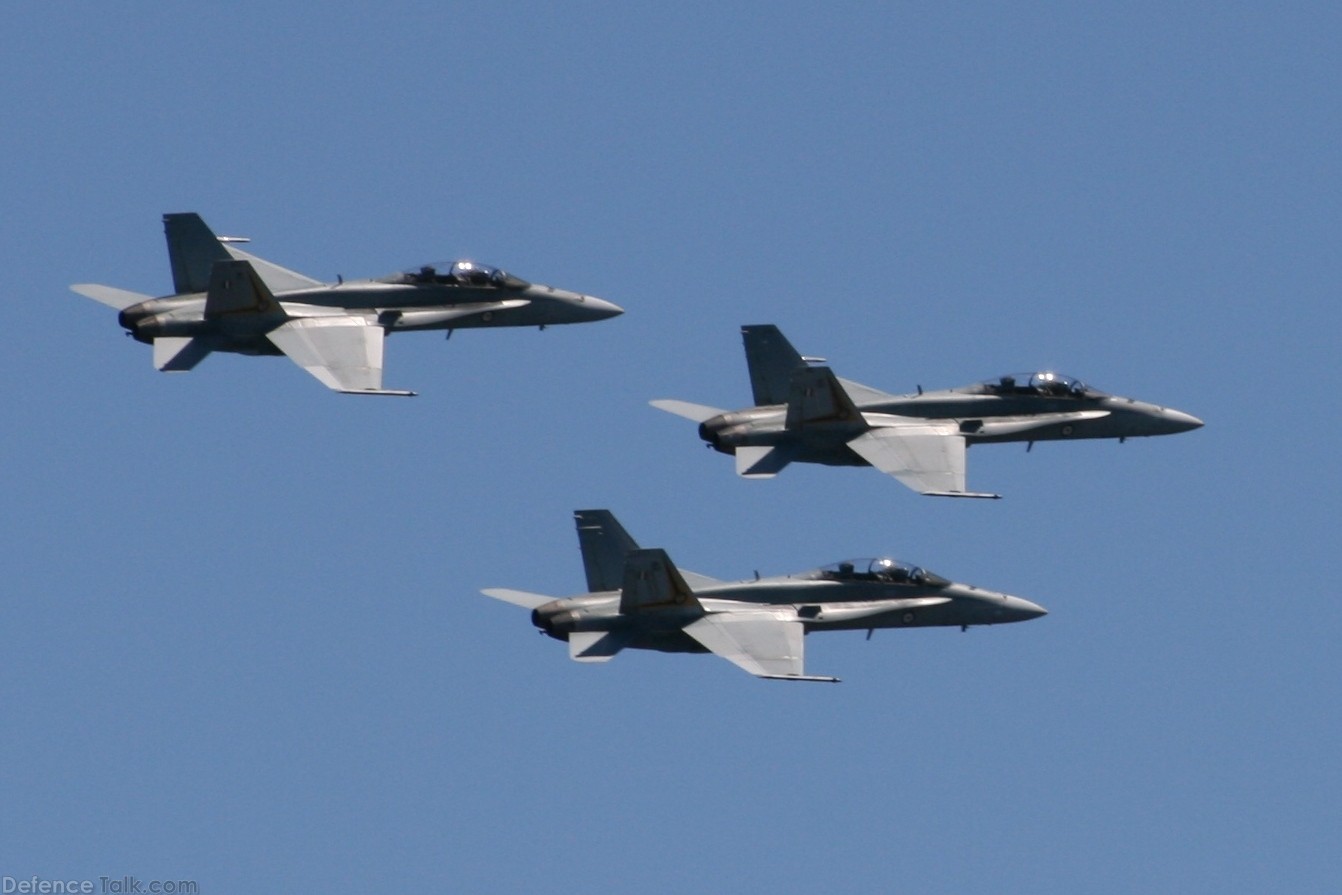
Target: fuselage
{"type": "Point", "coordinates": [393, 304]}
{"type": "Point", "coordinates": [846, 596]}
{"type": "Point", "coordinates": [984, 413]}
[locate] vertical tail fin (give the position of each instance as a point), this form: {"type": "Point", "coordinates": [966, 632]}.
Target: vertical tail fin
{"type": "Point", "coordinates": [192, 251]}
{"type": "Point", "coordinates": [652, 583]}
{"type": "Point", "coordinates": [233, 288]}
{"type": "Point", "coordinates": [816, 397]}
{"type": "Point", "coordinates": [772, 361]}
{"type": "Point", "coordinates": [605, 545]}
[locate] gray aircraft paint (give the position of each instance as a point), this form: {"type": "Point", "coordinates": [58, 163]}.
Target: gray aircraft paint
{"type": "Point", "coordinates": [228, 300]}
{"type": "Point", "coordinates": [641, 600]}
{"type": "Point", "coordinates": [806, 414]}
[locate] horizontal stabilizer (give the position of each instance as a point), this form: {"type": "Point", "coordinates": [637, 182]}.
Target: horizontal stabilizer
{"type": "Point", "coordinates": [760, 643]}
{"type": "Point", "coordinates": [120, 299]}
{"type": "Point", "coordinates": [344, 353]}
{"type": "Point", "coordinates": [177, 354]}
{"type": "Point", "coordinates": [929, 459]}
{"type": "Point", "coordinates": [761, 462]}
{"type": "Point", "coordinates": [694, 412]}
{"type": "Point", "coordinates": [816, 397]}
{"type": "Point", "coordinates": [595, 646]}
{"type": "Point", "coordinates": [651, 582]}
{"type": "Point", "coordinates": [517, 597]}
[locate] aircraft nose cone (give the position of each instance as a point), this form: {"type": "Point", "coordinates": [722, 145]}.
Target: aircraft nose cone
{"type": "Point", "coordinates": [1029, 610]}
{"type": "Point", "coordinates": [1018, 610]}
{"type": "Point", "coordinates": [1180, 421]}
{"type": "Point", "coordinates": [598, 308]}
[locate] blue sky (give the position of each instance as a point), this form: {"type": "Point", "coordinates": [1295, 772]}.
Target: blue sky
{"type": "Point", "coordinates": [243, 642]}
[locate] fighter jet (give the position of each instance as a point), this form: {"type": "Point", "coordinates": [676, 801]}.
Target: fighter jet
{"type": "Point", "coordinates": [806, 414]}
{"type": "Point", "coordinates": [225, 299]}
{"type": "Point", "coordinates": [638, 599]}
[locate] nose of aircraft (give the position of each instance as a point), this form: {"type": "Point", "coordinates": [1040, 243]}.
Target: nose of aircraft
{"type": "Point", "coordinates": [1018, 610]}
{"type": "Point", "coordinates": [594, 308]}
{"type": "Point", "coordinates": [1178, 421]}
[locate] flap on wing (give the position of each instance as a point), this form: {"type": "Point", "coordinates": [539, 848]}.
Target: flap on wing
{"type": "Point", "coordinates": [761, 462]}
{"type": "Point", "coordinates": [815, 396]}
{"type": "Point", "coordinates": [177, 354]}
{"type": "Point", "coordinates": [595, 646]}
{"type": "Point", "coordinates": [928, 459]}
{"type": "Point", "coordinates": [345, 353]}
{"type": "Point", "coordinates": [235, 289]}
{"type": "Point", "coordinates": [759, 643]}
{"type": "Point", "coordinates": [652, 582]}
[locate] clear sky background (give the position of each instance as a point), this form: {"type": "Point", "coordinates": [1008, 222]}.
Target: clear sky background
{"type": "Point", "coordinates": [243, 642]}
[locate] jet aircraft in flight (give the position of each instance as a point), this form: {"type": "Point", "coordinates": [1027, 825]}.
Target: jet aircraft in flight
{"type": "Point", "coordinates": [225, 299]}
{"type": "Point", "coordinates": [806, 414]}
{"type": "Point", "coordinates": [638, 599]}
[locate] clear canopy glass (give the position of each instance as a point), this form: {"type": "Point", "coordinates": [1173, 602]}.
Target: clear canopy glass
{"type": "Point", "coordinates": [461, 273]}
{"type": "Point", "coordinates": [882, 568]}
{"type": "Point", "coordinates": [1045, 382]}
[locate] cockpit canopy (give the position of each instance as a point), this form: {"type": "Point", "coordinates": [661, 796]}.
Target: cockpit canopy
{"type": "Point", "coordinates": [1045, 382]}
{"type": "Point", "coordinates": [883, 569]}
{"type": "Point", "coordinates": [461, 273]}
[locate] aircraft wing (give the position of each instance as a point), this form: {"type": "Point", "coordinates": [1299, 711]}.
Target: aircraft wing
{"type": "Point", "coordinates": [279, 279]}
{"type": "Point", "coordinates": [344, 353]}
{"type": "Point", "coordinates": [865, 394]}
{"type": "Point", "coordinates": [757, 642]}
{"type": "Point", "coordinates": [927, 458]}
{"type": "Point", "coordinates": [697, 581]}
